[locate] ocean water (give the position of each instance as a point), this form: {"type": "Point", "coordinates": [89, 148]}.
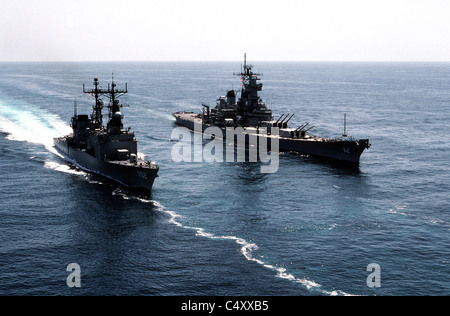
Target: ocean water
{"type": "Point", "coordinates": [312, 228]}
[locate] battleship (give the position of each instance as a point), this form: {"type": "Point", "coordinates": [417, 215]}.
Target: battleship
{"type": "Point", "coordinates": [251, 113]}
{"type": "Point", "coordinates": [109, 151]}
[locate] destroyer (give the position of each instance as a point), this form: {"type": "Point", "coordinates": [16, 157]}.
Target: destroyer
{"type": "Point", "coordinates": [110, 150]}
{"type": "Point", "coordinates": [251, 113]}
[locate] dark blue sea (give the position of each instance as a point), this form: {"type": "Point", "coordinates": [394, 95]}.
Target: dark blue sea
{"type": "Point", "coordinates": [312, 228]}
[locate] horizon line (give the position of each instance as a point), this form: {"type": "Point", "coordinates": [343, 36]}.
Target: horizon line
{"type": "Point", "coordinates": [195, 60]}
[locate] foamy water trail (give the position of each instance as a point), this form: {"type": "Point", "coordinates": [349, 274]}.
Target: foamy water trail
{"type": "Point", "coordinates": [22, 122]}
{"type": "Point", "coordinates": [401, 210]}
{"type": "Point", "coordinates": [63, 168]}
{"type": "Point", "coordinates": [161, 115]}
{"type": "Point", "coordinates": [247, 250]}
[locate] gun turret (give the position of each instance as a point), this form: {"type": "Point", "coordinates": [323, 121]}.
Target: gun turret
{"type": "Point", "coordinates": [276, 123]}
{"type": "Point", "coordinates": [281, 123]}
{"type": "Point", "coordinates": [303, 131]}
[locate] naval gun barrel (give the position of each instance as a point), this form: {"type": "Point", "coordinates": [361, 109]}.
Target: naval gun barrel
{"type": "Point", "coordinates": [301, 127]}
{"type": "Point", "coordinates": [301, 132]}
{"type": "Point", "coordinates": [284, 118]}
{"type": "Point", "coordinates": [290, 118]}
{"type": "Point", "coordinates": [285, 123]}
{"type": "Point", "coordinates": [276, 123]}
{"type": "Point", "coordinates": [282, 124]}
{"type": "Point", "coordinates": [280, 118]}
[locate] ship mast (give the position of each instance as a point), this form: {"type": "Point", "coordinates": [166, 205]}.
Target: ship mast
{"type": "Point", "coordinates": [97, 117]}
{"type": "Point", "coordinates": [249, 94]}
{"type": "Point", "coordinates": [247, 74]}
{"type": "Point", "coordinates": [114, 106]}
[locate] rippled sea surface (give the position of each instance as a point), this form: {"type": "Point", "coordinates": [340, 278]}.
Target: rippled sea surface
{"type": "Point", "coordinates": [312, 228]}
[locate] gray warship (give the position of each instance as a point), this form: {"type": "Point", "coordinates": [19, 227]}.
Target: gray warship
{"type": "Point", "coordinates": [111, 150]}
{"type": "Point", "coordinates": [251, 113]}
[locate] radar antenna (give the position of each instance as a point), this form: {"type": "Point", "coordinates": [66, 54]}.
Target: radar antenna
{"type": "Point", "coordinates": [112, 93]}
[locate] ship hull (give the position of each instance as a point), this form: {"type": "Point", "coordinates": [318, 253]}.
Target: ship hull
{"type": "Point", "coordinates": [133, 176]}
{"type": "Point", "coordinates": [342, 150]}
{"type": "Point", "coordinates": [339, 150]}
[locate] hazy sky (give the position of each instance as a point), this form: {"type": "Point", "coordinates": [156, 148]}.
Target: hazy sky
{"type": "Point", "coordinates": [97, 30]}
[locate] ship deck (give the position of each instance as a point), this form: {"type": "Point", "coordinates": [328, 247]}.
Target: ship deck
{"type": "Point", "coordinates": [138, 164]}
